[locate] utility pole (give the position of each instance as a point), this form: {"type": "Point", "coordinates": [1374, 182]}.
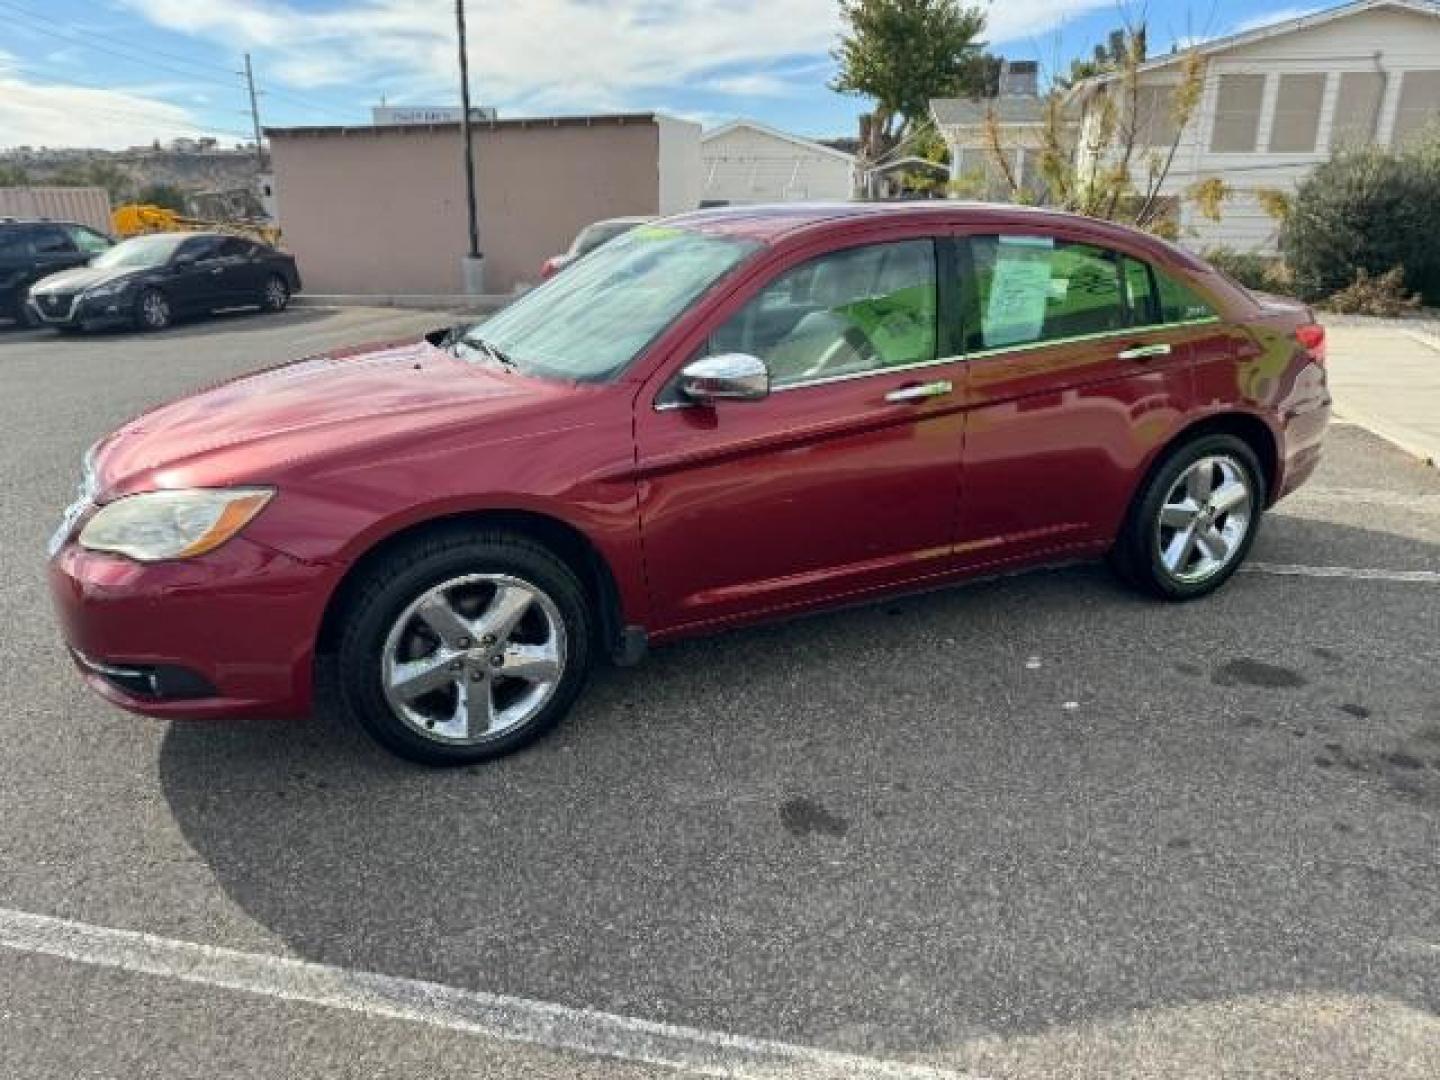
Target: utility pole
{"type": "Point", "coordinates": [254, 115]}
{"type": "Point", "coordinates": [473, 265]}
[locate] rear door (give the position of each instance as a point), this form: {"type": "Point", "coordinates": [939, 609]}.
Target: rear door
{"type": "Point", "coordinates": [244, 272]}
{"type": "Point", "coordinates": [845, 478]}
{"type": "Point", "coordinates": [1075, 376]}
{"type": "Point", "coordinates": [197, 285]}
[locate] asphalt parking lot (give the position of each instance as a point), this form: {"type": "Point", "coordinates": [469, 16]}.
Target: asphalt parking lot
{"type": "Point", "coordinates": [1034, 827]}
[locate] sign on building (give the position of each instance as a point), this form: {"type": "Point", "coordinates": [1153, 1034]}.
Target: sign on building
{"type": "Point", "coordinates": [381, 115]}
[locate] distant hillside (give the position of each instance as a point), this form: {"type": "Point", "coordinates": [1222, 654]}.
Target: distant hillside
{"type": "Point", "coordinates": [124, 173]}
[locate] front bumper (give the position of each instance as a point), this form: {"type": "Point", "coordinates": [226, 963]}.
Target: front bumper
{"type": "Point", "coordinates": [228, 634]}
{"type": "Point", "coordinates": [82, 312]}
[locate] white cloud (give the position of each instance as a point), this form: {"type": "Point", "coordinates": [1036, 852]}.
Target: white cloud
{"type": "Point", "coordinates": [49, 114]}
{"type": "Point", "coordinates": [548, 54]}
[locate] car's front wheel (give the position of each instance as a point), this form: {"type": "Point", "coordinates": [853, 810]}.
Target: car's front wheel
{"type": "Point", "coordinates": [463, 646]}
{"type": "Point", "coordinates": [152, 310]}
{"type": "Point", "coordinates": [276, 295]}
{"type": "Point", "coordinates": [1193, 522]}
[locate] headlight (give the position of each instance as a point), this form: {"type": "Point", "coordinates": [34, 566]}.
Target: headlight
{"type": "Point", "coordinates": [114, 288]}
{"type": "Point", "coordinates": [180, 524]}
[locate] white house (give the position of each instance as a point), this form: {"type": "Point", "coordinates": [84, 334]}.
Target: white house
{"type": "Point", "coordinates": [748, 162]}
{"type": "Point", "coordinates": [1279, 99]}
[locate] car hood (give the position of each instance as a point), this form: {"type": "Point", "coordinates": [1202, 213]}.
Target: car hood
{"type": "Point", "coordinates": [82, 277]}
{"type": "Point", "coordinates": [353, 402]}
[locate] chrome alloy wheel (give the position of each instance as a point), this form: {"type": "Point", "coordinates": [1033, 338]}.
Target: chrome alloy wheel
{"type": "Point", "coordinates": [276, 294]}
{"type": "Point", "coordinates": [1205, 518]}
{"type": "Point", "coordinates": [474, 658]}
{"type": "Point", "coordinates": [155, 310]}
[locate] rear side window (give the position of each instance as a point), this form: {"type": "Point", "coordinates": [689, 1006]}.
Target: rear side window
{"type": "Point", "coordinates": [1180, 303]}
{"type": "Point", "coordinates": [1031, 289]}
{"type": "Point", "coordinates": [15, 243]}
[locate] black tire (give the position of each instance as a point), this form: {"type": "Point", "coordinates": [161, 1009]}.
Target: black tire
{"type": "Point", "coordinates": [24, 318]}
{"type": "Point", "coordinates": [276, 294]}
{"type": "Point", "coordinates": [152, 310]}
{"type": "Point", "coordinates": [1137, 556]}
{"type": "Point", "coordinates": [380, 598]}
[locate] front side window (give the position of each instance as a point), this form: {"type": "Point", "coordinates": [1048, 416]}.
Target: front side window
{"type": "Point", "coordinates": [1033, 289]}
{"type": "Point", "coordinates": [848, 312]}
{"type": "Point", "coordinates": [590, 322]}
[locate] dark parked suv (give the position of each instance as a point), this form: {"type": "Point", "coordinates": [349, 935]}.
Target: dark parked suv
{"type": "Point", "coordinates": [31, 250]}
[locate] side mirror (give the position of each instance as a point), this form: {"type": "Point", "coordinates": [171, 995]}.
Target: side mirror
{"type": "Point", "coordinates": [180, 262]}
{"type": "Point", "coordinates": [727, 377]}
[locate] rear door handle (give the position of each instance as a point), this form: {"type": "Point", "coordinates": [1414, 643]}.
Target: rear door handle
{"type": "Point", "coordinates": [920, 391]}
{"type": "Point", "coordinates": [1144, 352]}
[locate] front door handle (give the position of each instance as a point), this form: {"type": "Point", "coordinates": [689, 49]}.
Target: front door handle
{"type": "Point", "coordinates": [1144, 352]}
{"type": "Point", "coordinates": [920, 391]}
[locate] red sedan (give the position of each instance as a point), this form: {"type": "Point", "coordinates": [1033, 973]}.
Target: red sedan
{"type": "Point", "coordinates": [727, 416]}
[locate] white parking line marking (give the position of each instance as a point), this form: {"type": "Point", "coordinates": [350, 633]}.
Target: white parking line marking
{"type": "Point", "coordinates": [1422, 577]}
{"type": "Point", "coordinates": [495, 1016]}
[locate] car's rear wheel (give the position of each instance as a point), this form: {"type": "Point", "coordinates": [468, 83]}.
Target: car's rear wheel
{"type": "Point", "coordinates": [152, 310]}
{"type": "Point", "coordinates": [1193, 522]}
{"type": "Point", "coordinates": [464, 646]}
{"type": "Point", "coordinates": [276, 295]}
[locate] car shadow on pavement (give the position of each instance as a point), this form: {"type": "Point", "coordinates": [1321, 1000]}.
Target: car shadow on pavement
{"type": "Point", "coordinates": [980, 813]}
{"type": "Point", "coordinates": [228, 321]}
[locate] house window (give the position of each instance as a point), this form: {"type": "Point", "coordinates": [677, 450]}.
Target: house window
{"type": "Point", "coordinates": [1155, 116]}
{"type": "Point", "coordinates": [1297, 114]}
{"type": "Point", "coordinates": [1419, 105]}
{"type": "Point", "coordinates": [1357, 109]}
{"type": "Point", "coordinates": [1237, 114]}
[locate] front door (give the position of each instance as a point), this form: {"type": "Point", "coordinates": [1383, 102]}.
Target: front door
{"type": "Point", "coordinates": [1078, 370]}
{"type": "Point", "coordinates": [844, 479]}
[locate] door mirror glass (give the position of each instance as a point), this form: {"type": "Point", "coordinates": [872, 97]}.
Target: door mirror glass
{"type": "Point", "coordinates": [727, 377]}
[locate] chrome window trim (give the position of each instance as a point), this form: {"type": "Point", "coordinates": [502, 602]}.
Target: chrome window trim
{"type": "Point", "coordinates": [1030, 346]}
{"type": "Point", "coordinates": [919, 365]}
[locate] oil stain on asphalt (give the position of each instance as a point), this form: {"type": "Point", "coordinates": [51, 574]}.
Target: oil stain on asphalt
{"type": "Point", "coordinates": [1247, 672]}
{"type": "Point", "coordinates": [805, 817]}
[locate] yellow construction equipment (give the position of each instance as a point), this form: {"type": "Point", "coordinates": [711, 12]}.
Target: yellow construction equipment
{"type": "Point", "coordinates": [134, 219]}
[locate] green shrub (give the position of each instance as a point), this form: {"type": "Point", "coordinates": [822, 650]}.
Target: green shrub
{"type": "Point", "coordinates": [1369, 209]}
{"type": "Point", "coordinates": [1265, 273]}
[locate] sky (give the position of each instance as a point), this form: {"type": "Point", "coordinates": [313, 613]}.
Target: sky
{"type": "Point", "coordinates": [115, 73]}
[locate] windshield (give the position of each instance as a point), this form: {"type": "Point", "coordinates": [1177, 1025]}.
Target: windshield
{"type": "Point", "coordinates": [591, 321]}
{"type": "Point", "coordinates": [139, 251]}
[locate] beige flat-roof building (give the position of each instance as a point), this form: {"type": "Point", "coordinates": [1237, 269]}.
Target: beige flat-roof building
{"type": "Point", "coordinates": [381, 210]}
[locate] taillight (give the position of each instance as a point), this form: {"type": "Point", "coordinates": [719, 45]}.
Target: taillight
{"type": "Point", "coordinates": [1312, 339]}
{"type": "Point", "coordinates": [547, 269]}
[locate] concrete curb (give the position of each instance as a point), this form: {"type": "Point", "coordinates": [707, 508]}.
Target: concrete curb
{"type": "Point", "coordinates": [479, 305]}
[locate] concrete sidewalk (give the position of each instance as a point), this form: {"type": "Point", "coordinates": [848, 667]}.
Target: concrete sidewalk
{"type": "Point", "coordinates": [1387, 378]}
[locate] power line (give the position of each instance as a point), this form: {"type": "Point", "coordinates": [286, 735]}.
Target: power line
{"type": "Point", "coordinates": [198, 71]}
